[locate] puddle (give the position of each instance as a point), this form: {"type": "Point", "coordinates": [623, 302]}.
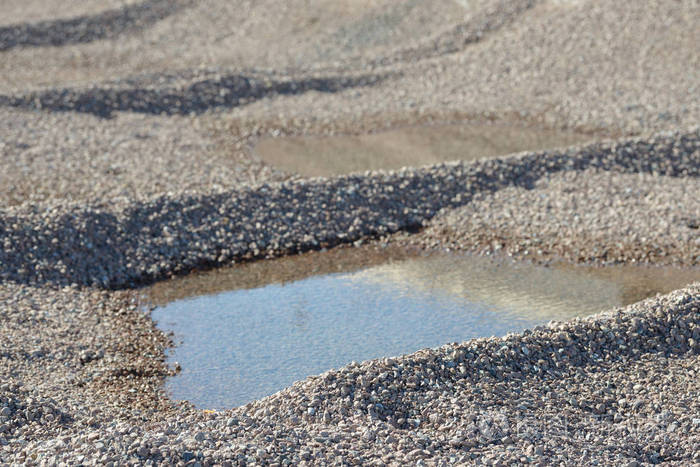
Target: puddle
{"type": "Point", "coordinates": [409, 146]}
{"type": "Point", "coordinates": [248, 331]}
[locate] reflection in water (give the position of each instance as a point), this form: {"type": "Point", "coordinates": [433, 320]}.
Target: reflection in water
{"type": "Point", "coordinates": [251, 330]}
{"type": "Point", "coordinates": [301, 315]}
{"type": "Point", "coordinates": [409, 146]}
{"type": "Point", "coordinates": [278, 271]}
{"type": "Point", "coordinates": [521, 289]}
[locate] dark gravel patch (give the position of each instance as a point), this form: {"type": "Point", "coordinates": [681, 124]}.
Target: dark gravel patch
{"type": "Point", "coordinates": [216, 92]}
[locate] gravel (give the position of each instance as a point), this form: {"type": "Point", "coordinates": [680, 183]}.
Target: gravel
{"type": "Point", "coordinates": [86, 28]}
{"type": "Point", "coordinates": [121, 245]}
{"type": "Point", "coordinates": [587, 216]}
{"type": "Point", "coordinates": [61, 157]}
{"type": "Point", "coordinates": [125, 135]}
{"type": "Point", "coordinates": [564, 393]}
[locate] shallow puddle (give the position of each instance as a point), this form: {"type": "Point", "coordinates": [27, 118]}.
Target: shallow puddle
{"type": "Point", "coordinates": [408, 146]}
{"type": "Point", "coordinates": [247, 331]}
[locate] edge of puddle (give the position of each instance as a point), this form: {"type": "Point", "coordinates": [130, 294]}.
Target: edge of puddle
{"type": "Point", "coordinates": [413, 145]}
{"type": "Point", "coordinates": [351, 259]}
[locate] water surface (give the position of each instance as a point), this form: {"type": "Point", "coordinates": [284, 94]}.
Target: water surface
{"type": "Point", "coordinates": [248, 331]}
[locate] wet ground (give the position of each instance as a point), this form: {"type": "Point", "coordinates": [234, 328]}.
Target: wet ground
{"type": "Point", "coordinates": [410, 146]}
{"type": "Point", "coordinates": [248, 331]}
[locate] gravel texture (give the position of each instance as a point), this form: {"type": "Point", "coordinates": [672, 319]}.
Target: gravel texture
{"type": "Point", "coordinates": [52, 157]}
{"type": "Point", "coordinates": [125, 135]}
{"type": "Point", "coordinates": [121, 245]}
{"type": "Point", "coordinates": [583, 216]}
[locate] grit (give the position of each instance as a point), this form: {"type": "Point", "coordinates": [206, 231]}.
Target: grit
{"type": "Point", "coordinates": [584, 216]}
{"type": "Point", "coordinates": [126, 130]}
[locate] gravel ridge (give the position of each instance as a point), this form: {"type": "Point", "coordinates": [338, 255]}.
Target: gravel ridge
{"type": "Point", "coordinates": [488, 17]}
{"type": "Point", "coordinates": [119, 246]}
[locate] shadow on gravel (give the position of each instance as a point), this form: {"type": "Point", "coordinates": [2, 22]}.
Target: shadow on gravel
{"type": "Point", "coordinates": [81, 29]}
{"type": "Point", "coordinates": [122, 247]}
{"type": "Point", "coordinates": [220, 92]}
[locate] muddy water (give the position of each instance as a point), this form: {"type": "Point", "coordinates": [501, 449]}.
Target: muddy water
{"type": "Point", "coordinates": [248, 331]}
{"type": "Point", "coordinates": [409, 146]}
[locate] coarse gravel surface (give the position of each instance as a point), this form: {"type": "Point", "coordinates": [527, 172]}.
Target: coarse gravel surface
{"type": "Point", "coordinates": [49, 158]}
{"type": "Point", "coordinates": [583, 216]}
{"type": "Point", "coordinates": [126, 136]}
